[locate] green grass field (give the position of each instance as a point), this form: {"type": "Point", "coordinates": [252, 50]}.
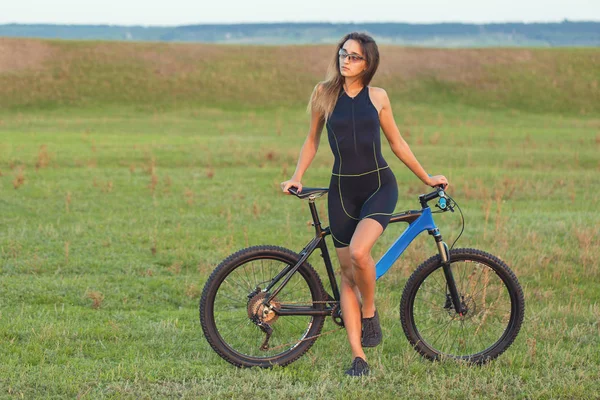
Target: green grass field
{"type": "Point", "coordinates": [116, 208]}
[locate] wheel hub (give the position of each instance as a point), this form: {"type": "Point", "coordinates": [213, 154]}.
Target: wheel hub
{"type": "Point", "coordinates": [259, 311]}
{"type": "Point", "coordinates": [468, 305]}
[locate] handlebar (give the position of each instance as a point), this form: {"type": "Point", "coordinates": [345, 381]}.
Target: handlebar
{"type": "Point", "coordinates": [443, 204]}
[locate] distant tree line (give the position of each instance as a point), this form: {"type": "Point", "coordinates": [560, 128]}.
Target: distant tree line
{"type": "Point", "coordinates": [565, 33]}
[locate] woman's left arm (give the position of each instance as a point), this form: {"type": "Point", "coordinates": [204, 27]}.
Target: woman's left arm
{"type": "Point", "coordinates": [399, 145]}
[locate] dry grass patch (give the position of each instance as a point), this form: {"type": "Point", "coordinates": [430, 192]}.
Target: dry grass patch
{"type": "Point", "coordinates": [17, 55]}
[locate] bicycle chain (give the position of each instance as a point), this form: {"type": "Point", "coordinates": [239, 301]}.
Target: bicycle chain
{"type": "Point", "coordinates": [312, 337]}
{"type": "Point", "coordinates": [318, 301]}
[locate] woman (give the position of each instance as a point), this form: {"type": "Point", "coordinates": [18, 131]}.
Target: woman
{"type": "Point", "coordinates": [363, 190]}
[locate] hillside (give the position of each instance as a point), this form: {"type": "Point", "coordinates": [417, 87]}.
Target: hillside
{"type": "Point", "coordinates": [41, 74]}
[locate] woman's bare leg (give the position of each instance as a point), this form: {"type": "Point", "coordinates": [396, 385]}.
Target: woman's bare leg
{"type": "Point", "coordinates": [350, 303]}
{"type": "Point", "coordinates": [363, 265]}
{"type": "Point", "coordinates": [358, 281]}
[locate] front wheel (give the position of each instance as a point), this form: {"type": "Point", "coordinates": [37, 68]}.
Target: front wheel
{"type": "Point", "coordinates": [490, 296]}
{"type": "Point", "coordinates": [239, 323]}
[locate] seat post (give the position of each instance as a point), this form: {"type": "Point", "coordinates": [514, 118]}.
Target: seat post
{"type": "Point", "coordinates": [315, 215]}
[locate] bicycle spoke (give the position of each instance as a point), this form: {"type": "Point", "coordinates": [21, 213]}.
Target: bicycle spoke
{"type": "Point", "coordinates": [436, 292]}
{"type": "Point", "coordinates": [442, 286]}
{"type": "Point", "coordinates": [232, 281]}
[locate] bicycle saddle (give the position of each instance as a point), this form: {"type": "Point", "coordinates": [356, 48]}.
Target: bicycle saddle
{"type": "Point", "coordinates": [307, 192]}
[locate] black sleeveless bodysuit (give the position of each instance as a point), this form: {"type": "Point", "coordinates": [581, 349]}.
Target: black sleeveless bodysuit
{"type": "Point", "coordinates": [362, 184]}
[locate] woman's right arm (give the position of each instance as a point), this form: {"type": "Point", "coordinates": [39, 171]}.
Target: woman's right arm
{"type": "Point", "coordinates": [307, 153]}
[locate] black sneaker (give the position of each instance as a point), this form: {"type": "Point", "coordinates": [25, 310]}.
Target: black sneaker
{"type": "Point", "coordinates": [371, 331]}
{"type": "Point", "coordinates": [359, 368]}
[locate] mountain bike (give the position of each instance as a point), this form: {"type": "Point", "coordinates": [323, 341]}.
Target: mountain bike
{"type": "Point", "coordinates": [266, 305]}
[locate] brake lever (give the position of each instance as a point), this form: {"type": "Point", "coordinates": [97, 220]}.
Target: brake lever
{"type": "Point", "coordinates": [450, 206]}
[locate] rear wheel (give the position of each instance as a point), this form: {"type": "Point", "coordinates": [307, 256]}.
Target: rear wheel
{"type": "Point", "coordinates": [490, 295]}
{"type": "Point", "coordinates": [236, 320]}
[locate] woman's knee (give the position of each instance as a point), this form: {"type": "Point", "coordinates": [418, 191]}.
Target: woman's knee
{"type": "Point", "coordinates": [360, 256]}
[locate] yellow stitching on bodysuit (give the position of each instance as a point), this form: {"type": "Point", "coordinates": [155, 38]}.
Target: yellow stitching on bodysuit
{"type": "Point", "coordinates": [365, 173]}
{"type": "Point", "coordinates": [347, 244]}
{"type": "Point", "coordinates": [370, 215]}
{"type": "Point", "coordinates": [378, 176]}
{"type": "Point", "coordinates": [339, 177]}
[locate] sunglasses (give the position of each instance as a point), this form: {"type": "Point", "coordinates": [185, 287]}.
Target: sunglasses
{"type": "Point", "coordinates": [354, 58]}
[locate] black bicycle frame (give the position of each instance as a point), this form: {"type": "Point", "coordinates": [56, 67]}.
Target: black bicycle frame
{"type": "Point", "coordinates": [319, 242]}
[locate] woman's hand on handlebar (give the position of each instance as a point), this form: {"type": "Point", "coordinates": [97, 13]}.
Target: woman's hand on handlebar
{"type": "Point", "coordinates": [289, 183]}
{"type": "Point", "coordinates": [438, 180]}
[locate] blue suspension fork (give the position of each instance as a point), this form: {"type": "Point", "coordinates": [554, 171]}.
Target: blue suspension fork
{"type": "Point", "coordinates": [424, 222]}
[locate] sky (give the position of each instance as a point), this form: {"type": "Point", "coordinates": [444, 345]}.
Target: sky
{"type": "Point", "coordinates": [187, 12]}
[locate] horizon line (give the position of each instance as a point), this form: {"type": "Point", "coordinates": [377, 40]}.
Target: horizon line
{"type": "Point", "coordinates": [565, 20]}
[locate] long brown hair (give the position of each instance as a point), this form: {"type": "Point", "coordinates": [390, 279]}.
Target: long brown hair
{"type": "Point", "coordinates": [323, 101]}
